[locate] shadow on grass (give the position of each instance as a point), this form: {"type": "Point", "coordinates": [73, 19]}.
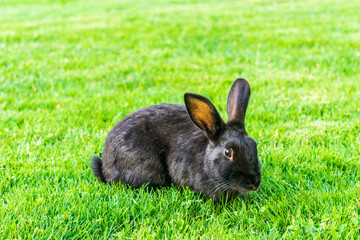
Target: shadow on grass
{"type": "Point", "coordinates": [186, 193]}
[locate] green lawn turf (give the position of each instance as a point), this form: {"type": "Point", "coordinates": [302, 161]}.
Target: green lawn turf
{"type": "Point", "coordinates": [70, 70]}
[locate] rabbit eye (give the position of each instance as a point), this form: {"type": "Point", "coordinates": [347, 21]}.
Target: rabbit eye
{"type": "Point", "coordinates": [228, 152]}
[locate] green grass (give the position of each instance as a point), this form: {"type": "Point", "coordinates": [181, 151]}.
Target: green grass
{"type": "Point", "coordinates": [70, 70]}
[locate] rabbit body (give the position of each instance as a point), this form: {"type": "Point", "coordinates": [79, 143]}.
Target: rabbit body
{"type": "Point", "coordinates": [183, 145]}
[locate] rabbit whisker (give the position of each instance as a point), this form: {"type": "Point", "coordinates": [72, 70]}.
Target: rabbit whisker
{"type": "Point", "coordinates": [227, 186]}
{"type": "Point", "coordinates": [222, 186]}
{"type": "Point", "coordinates": [217, 186]}
{"type": "Point", "coordinates": [214, 180]}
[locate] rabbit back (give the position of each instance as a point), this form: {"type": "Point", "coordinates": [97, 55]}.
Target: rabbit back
{"type": "Point", "coordinates": [153, 146]}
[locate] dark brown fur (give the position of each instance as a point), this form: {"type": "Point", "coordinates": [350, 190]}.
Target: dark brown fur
{"type": "Point", "coordinates": [168, 144]}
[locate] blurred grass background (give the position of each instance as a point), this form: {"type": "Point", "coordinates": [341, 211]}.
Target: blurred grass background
{"type": "Point", "coordinates": [70, 70]}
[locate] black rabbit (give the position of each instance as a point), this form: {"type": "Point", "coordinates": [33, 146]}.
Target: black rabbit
{"type": "Point", "coordinates": [187, 145]}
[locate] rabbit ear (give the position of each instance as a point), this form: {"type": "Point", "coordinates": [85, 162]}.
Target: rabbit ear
{"type": "Point", "coordinates": [237, 101]}
{"type": "Point", "coordinates": [203, 113]}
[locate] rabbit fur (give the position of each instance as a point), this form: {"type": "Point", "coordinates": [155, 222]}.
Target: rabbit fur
{"type": "Point", "coordinates": [188, 145]}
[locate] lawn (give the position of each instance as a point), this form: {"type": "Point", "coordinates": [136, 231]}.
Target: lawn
{"type": "Point", "coordinates": [70, 70]}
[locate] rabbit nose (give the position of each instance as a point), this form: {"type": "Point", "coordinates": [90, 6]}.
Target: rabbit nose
{"type": "Point", "coordinates": [256, 186]}
{"type": "Point", "coordinates": [248, 181]}
{"type": "Point", "coordinates": [253, 186]}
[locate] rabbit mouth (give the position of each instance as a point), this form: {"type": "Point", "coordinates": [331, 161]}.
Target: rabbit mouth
{"type": "Point", "coordinates": [227, 186]}
{"type": "Point", "coordinates": [242, 190]}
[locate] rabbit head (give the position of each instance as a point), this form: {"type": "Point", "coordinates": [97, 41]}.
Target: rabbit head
{"type": "Point", "coordinates": [230, 159]}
